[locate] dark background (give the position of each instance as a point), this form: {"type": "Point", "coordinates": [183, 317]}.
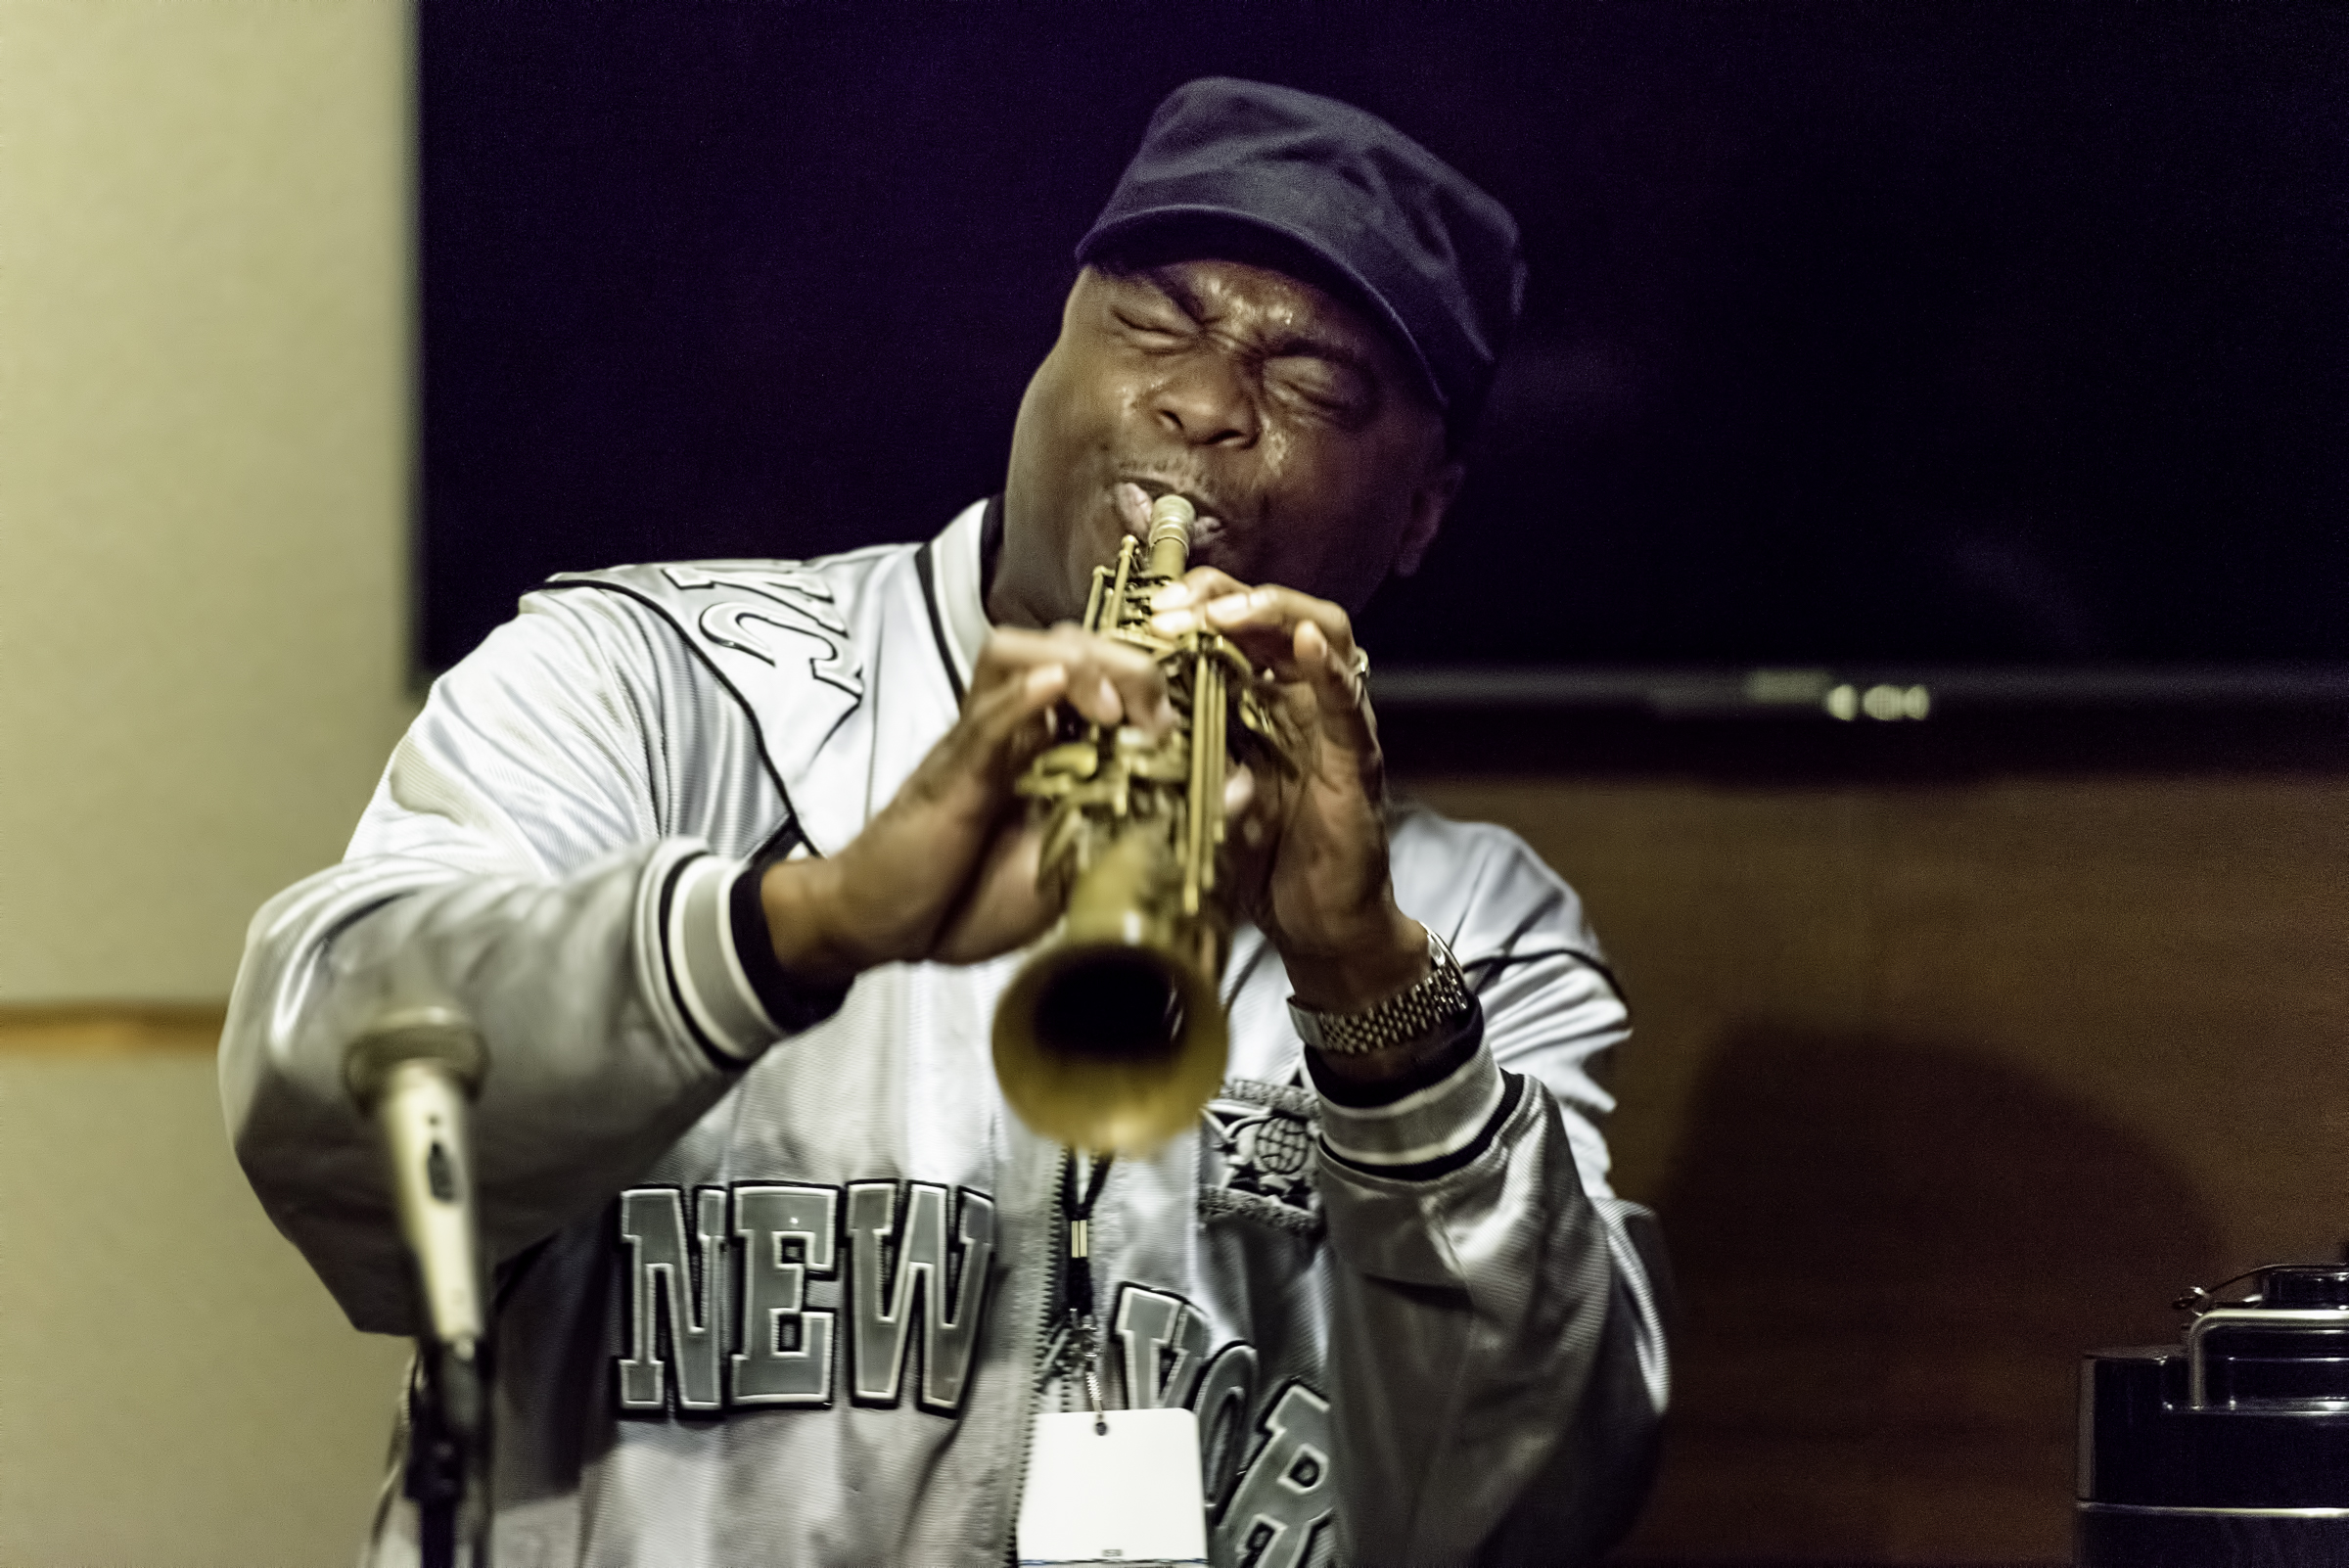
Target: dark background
{"type": "Point", "coordinates": [1974, 333]}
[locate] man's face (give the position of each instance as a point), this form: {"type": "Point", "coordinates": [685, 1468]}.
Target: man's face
{"type": "Point", "coordinates": [1292, 423]}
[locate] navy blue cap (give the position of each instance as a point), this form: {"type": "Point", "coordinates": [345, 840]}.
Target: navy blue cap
{"type": "Point", "coordinates": [1435, 257]}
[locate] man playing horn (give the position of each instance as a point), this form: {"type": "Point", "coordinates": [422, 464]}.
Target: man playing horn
{"type": "Point", "coordinates": [726, 862]}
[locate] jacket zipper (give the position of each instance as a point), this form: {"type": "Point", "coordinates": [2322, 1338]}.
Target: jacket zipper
{"type": "Point", "coordinates": [1056, 1246]}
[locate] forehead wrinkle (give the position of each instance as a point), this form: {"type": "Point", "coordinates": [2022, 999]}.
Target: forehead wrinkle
{"type": "Point", "coordinates": [1170, 282]}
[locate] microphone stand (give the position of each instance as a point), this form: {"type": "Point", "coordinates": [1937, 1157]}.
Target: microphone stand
{"type": "Point", "coordinates": [448, 1449]}
{"type": "Point", "coordinates": [413, 1072]}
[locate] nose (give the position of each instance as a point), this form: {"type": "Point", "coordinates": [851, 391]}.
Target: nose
{"type": "Point", "coordinates": [1205, 400]}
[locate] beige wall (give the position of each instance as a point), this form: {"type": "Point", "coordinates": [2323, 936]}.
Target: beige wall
{"type": "Point", "coordinates": [181, 1391]}
{"type": "Point", "coordinates": [203, 418]}
{"type": "Point", "coordinates": [203, 406]}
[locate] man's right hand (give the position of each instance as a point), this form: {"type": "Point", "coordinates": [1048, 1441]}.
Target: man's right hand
{"type": "Point", "coordinates": [947, 869]}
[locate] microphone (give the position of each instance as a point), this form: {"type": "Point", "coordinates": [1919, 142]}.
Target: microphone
{"type": "Point", "coordinates": [413, 1072]}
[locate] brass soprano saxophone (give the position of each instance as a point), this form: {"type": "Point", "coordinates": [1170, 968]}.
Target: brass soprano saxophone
{"type": "Point", "coordinates": [1111, 1035]}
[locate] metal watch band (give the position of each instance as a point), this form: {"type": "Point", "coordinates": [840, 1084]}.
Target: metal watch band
{"type": "Point", "coordinates": [1438, 1001]}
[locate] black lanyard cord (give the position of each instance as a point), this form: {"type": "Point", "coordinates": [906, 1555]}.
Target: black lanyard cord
{"type": "Point", "coordinates": [1081, 1336]}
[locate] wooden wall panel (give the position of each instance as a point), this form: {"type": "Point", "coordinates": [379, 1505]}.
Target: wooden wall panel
{"type": "Point", "coordinates": [1937, 1086]}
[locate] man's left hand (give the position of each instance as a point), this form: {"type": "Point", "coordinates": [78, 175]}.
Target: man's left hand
{"type": "Point", "coordinates": [1311, 849]}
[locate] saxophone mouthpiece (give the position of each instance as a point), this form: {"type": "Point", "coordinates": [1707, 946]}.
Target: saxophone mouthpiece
{"type": "Point", "coordinates": [1171, 514]}
{"type": "Point", "coordinates": [1170, 543]}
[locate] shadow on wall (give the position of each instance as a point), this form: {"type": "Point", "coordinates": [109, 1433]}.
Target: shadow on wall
{"type": "Point", "coordinates": [1891, 1257]}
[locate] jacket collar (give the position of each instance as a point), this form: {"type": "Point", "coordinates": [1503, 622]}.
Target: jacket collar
{"type": "Point", "coordinates": [956, 582]}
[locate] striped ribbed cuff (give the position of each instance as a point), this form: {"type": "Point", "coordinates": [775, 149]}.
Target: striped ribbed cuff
{"type": "Point", "coordinates": [706, 973]}
{"type": "Point", "coordinates": [1429, 1132]}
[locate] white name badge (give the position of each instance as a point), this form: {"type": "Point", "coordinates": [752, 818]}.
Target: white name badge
{"type": "Point", "coordinates": [1127, 1496]}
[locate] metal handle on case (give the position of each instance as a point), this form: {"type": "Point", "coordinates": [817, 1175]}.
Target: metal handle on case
{"type": "Point", "coordinates": [2250, 1317]}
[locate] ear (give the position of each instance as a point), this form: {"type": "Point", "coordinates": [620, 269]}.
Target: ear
{"type": "Point", "coordinates": [1429, 503]}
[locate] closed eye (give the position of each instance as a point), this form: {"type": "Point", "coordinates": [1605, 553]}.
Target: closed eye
{"type": "Point", "coordinates": [1330, 388]}
{"type": "Point", "coordinates": [1159, 330]}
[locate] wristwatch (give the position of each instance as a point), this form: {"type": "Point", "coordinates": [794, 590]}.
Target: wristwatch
{"type": "Point", "coordinates": [1439, 1003]}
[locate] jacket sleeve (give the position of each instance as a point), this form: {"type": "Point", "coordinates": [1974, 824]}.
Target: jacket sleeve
{"type": "Point", "coordinates": [1496, 1353]}
{"type": "Point", "coordinates": [513, 864]}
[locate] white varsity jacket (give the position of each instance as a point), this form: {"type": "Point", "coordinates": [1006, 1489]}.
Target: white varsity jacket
{"type": "Point", "coordinates": [777, 1297]}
